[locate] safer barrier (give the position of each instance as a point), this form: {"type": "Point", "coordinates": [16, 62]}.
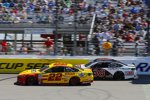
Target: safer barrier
{"type": "Point", "coordinates": [16, 64]}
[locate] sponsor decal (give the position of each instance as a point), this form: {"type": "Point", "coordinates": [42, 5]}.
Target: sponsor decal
{"type": "Point", "coordinates": [60, 64]}
{"type": "Point", "coordinates": [98, 72]}
{"type": "Point", "coordinates": [35, 65]}
{"type": "Point", "coordinates": [20, 65]}
{"type": "Point", "coordinates": [55, 77]}
{"type": "Point", "coordinates": [143, 67]}
{"type": "Point", "coordinates": [129, 73]}
{"type": "Point", "coordinates": [81, 74]}
{"type": "Point", "coordinates": [17, 65]}
{"type": "Point", "coordinates": [10, 65]}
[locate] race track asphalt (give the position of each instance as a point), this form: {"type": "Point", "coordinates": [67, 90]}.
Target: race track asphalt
{"type": "Point", "coordinates": [99, 90]}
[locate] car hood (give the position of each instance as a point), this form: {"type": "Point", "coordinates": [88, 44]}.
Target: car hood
{"type": "Point", "coordinates": [31, 71]}
{"type": "Point", "coordinates": [87, 70]}
{"type": "Point", "coordinates": [131, 66]}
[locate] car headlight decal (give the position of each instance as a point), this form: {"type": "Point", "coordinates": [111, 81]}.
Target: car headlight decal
{"type": "Point", "coordinates": [89, 74]}
{"type": "Point", "coordinates": [81, 74]}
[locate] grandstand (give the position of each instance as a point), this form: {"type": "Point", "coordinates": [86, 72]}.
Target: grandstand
{"type": "Point", "coordinates": [31, 21]}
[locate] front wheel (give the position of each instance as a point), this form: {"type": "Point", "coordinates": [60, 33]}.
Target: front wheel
{"type": "Point", "coordinates": [74, 81]}
{"type": "Point", "coordinates": [31, 81]}
{"type": "Point", "coordinates": [118, 76]}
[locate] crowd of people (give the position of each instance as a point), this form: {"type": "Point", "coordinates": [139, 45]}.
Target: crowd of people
{"type": "Point", "coordinates": [122, 21]}
{"type": "Point", "coordinates": [40, 11]}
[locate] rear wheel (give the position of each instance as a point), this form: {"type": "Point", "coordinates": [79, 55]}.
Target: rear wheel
{"type": "Point", "coordinates": [74, 81]}
{"type": "Point", "coordinates": [31, 81]}
{"type": "Point", "coordinates": [118, 76]}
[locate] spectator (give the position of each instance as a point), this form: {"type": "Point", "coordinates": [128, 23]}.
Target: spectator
{"type": "Point", "coordinates": [30, 48]}
{"type": "Point", "coordinates": [137, 50]}
{"type": "Point", "coordinates": [80, 50]}
{"type": "Point", "coordinates": [146, 49]}
{"type": "Point", "coordinates": [4, 46]}
{"type": "Point", "coordinates": [101, 40]}
{"type": "Point", "coordinates": [129, 37]}
{"type": "Point", "coordinates": [24, 49]}
{"type": "Point", "coordinates": [115, 49]}
{"type": "Point", "coordinates": [63, 51]}
{"type": "Point", "coordinates": [120, 45]}
{"type": "Point", "coordinates": [137, 43]}
{"type": "Point", "coordinates": [10, 48]}
{"type": "Point", "coordinates": [107, 46]}
{"type": "Point", "coordinates": [97, 49]}
{"type": "Point", "coordinates": [49, 45]}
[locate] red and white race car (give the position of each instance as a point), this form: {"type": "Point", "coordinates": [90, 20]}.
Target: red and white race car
{"type": "Point", "coordinates": [104, 68]}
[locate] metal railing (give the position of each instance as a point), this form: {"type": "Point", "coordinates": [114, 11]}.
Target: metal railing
{"type": "Point", "coordinates": [40, 49]}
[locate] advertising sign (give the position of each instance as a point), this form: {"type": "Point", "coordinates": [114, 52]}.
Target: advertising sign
{"type": "Point", "coordinates": [17, 65]}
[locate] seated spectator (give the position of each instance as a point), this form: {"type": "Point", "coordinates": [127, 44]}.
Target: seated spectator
{"type": "Point", "coordinates": [30, 48]}
{"type": "Point", "coordinates": [24, 49]}
{"type": "Point", "coordinates": [63, 51]}
{"type": "Point", "coordinates": [129, 37]}
{"type": "Point", "coordinates": [82, 20]}
{"type": "Point", "coordinates": [10, 48]}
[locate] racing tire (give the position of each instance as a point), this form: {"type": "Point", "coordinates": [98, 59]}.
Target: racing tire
{"type": "Point", "coordinates": [31, 81]}
{"type": "Point", "coordinates": [74, 81]}
{"type": "Point", "coordinates": [118, 76]}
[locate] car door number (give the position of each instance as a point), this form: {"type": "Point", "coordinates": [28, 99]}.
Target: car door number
{"type": "Point", "coordinates": [55, 77]}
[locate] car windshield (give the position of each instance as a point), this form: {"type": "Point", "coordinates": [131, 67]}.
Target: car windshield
{"type": "Point", "coordinates": [43, 68]}
{"type": "Point", "coordinates": [121, 62]}
{"type": "Point", "coordinates": [86, 65]}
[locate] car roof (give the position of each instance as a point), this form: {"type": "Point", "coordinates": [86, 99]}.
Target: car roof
{"type": "Point", "coordinates": [60, 64]}
{"type": "Point", "coordinates": [107, 60]}
{"type": "Point", "coordinates": [104, 59]}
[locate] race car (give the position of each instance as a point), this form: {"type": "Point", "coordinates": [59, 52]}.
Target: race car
{"type": "Point", "coordinates": [56, 73]}
{"type": "Point", "coordinates": [105, 68]}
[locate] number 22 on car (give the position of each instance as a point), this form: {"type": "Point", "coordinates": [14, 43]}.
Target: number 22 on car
{"type": "Point", "coordinates": [52, 77]}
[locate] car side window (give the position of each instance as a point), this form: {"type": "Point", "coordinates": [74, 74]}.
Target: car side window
{"type": "Point", "coordinates": [98, 65]}
{"type": "Point", "coordinates": [48, 70]}
{"type": "Point", "coordinates": [71, 69]}
{"type": "Point", "coordinates": [105, 64]}
{"type": "Point", "coordinates": [115, 65]}
{"type": "Point", "coordinates": [101, 65]}
{"type": "Point", "coordinates": [57, 69]}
